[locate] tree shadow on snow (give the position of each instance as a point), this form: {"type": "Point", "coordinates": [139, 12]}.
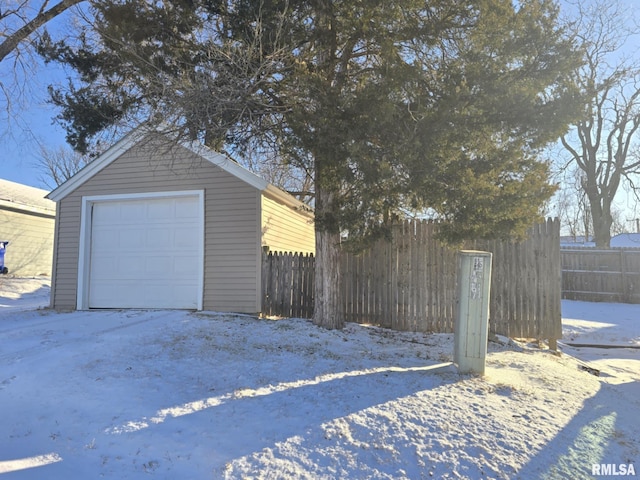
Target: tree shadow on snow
{"type": "Point", "coordinates": [27, 300]}
{"type": "Point", "coordinates": [604, 431]}
{"type": "Point", "coordinates": [247, 421]}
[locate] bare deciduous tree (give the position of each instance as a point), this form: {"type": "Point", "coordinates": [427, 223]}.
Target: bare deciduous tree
{"type": "Point", "coordinates": [570, 204]}
{"type": "Point", "coordinates": [603, 144]}
{"type": "Point", "coordinates": [58, 165]}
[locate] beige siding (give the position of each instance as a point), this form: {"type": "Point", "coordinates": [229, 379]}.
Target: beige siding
{"type": "Point", "coordinates": [231, 260]}
{"type": "Point", "coordinates": [285, 229]}
{"type": "Point", "coordinates": [65, 261]}
{"type": "Point", "coordinates": [31, 241]}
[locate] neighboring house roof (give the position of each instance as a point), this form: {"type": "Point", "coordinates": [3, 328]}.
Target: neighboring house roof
{"type": "Point", "coordinates": [222, 161]}
{"type": "Point", "coordinates": [567, 241]}
{"type": "Point", "coordinates": [17, 196]}
{"type": "Point", "coordinates": [629, 240]}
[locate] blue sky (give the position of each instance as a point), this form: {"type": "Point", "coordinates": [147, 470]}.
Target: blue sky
{"type": "Point", "coordinates": [29, 122]}
{"type": "Point", "coordinates": [20, 147]}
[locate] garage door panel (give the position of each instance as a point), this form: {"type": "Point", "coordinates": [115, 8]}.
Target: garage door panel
{"type": "Point", "coordinates": [178, 269]}
{"type": "Point", "coordinates": [158, 237]}
{"type": "Point", "coordinates": [101, 266]}
{"type": "Point", "coordinates": [185, 208]}
{"type": "Point", "coordinates": [132, 239]}
{"type": "Point", "coordinates": [146, 253]}
{"type": "Point", "coordinates": [156, 265]}
{"type": "Point", "coordinates": [182, 266]}
{"type": "Point", "coordinates": [105, 239]}
{"type": "Point", "coordinates": [186, 239]}
{"type": "Point", "coordinates": [107, 214]}
{"type": "Point", "coordinates": [132, 267]}
{"type": "Point", "coordinates": [131, 295]}
{"type": "Point", "coordinates": [160, 211]}
{"type": "Point", "coordinates": [129, 214]}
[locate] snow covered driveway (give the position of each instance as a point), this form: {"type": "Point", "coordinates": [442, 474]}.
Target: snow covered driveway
{"type": "Point", "coordinates": [169, 394]}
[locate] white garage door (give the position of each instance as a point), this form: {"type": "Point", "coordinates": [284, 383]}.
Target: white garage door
{"type": "Point", "coordinates": [146, 253]}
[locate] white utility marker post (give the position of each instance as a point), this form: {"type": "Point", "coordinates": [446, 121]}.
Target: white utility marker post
{"type": "Point", "coordinates": [472, 322]}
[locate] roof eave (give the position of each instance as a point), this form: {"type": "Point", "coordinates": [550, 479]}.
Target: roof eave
{"type": "Point", "coordinates": [227, 165]}
{"type": "Point", "coordinates": [27, 208]}
{"type": "Point", "coordinates": [92, 168]}
{"type": "Point", "coordinates": [289, 200]}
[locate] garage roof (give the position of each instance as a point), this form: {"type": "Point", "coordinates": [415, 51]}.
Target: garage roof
{"type": "Point", "coordinates": [222, 161]}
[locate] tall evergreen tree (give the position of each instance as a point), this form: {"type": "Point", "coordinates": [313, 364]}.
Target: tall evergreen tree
{"type": "Point", "coordinates": [439, 105]}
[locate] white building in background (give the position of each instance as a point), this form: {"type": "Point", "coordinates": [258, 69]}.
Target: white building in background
{"type": "Point", "coordinates": [27, 222]}
{"type": "Point", "coordinates": [626, 240]}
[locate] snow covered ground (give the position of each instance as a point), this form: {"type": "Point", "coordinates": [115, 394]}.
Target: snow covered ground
{"type": "Point", "coordinates": [177, 395]}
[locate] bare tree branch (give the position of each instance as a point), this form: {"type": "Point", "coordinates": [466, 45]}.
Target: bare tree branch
{"type": "Point", "coordinates": [59, 165]}
{"type": "Point", "coordinates": [12, 40]}
{"type": "Point", "coordinates": [602, 143]}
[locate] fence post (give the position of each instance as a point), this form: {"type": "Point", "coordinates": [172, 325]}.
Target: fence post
{"type": "Point", "coordinates": [267, 283]}
{"type": "Point", "coordinates": [623, 272]}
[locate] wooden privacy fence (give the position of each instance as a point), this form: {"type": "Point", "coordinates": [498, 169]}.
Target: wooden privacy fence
{"type": "Point", "coordinates": [526, 284]}
{"type": "Point", "coordinates": [601, 275]}
{"type": "Point", "coordinates": [287, 284]}
{"type": "Point", "coordinates": [409, 283]}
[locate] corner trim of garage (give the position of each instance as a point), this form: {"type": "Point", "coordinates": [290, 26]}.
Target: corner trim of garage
{"type": "Point", "coordinates": [86, 229]}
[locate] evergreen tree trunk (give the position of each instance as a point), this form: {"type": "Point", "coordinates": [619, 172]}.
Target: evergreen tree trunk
{"type": "Point", "coordinates": [327, 311]}
{"type": "Point", "coordinates": [328, 308]}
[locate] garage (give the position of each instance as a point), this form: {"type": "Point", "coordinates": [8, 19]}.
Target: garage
{"type": "Point", "coordinates": [144, 251]}
{"type": "Point", "coordinates": [154, 223]}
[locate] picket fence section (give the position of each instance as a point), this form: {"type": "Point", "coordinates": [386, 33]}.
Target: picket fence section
{"type": "Point", "coordinates": [288, 284]}
{"type": "Point", "coordinates": [409, 283]}
{"type": "Point", "coordinates": [526, 284]}
{"type": "Point", "coordinates": [601, 275]}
